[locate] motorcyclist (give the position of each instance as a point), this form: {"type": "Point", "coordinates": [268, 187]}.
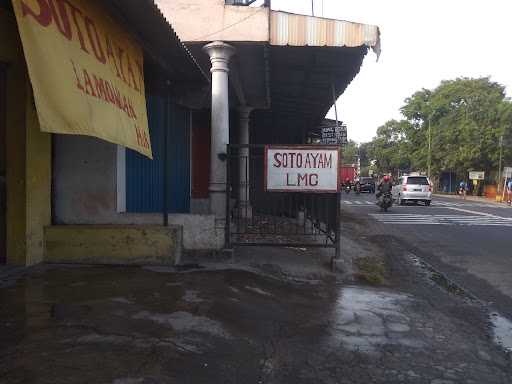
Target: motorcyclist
{"type": "Point", "coordinates": [384, 187]}
{"type": "Point", "coordinates": [347, 183]}
{"type": "Point", "coordinates": [357, 186]}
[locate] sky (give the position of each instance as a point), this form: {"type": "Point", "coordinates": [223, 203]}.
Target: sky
{"type": "Point", "coordinates": [423, 43]}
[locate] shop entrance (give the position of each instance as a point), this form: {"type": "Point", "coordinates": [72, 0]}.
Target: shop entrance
{"type": "Point", "coordinates": [3, 167]}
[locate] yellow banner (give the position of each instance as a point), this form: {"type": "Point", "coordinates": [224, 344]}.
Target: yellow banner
{"type": "Point", "coordinates": [86, 71]}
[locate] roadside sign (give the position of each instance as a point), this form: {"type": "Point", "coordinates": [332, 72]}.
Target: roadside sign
{"type": "Point", "coordinates": [507, 172]}
{"type": "Point", "coordinates": [476, 175]}
{"type": "Point", "coordinates": [301, 168]}
{"type": "Point", "coordinates": [334, 135]}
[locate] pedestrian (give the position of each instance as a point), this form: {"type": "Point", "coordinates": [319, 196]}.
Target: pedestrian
{"type": "Point", "coordinates": [462, 189]}
{"type": "Point", "coordinates": [509, 191]}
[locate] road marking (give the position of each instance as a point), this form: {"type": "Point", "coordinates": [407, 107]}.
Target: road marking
{"type": "Point", "coordinates": [444, 204]}
{"type": "Point", "coordinates": [479, 213]}
{"type": "Point", "coordinates": [461, 220]}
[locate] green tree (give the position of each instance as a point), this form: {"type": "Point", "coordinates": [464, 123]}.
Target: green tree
{"type": "Point", "coordinates": [466, 119]}
{"type": "Point", "coordinates": [350, 152]}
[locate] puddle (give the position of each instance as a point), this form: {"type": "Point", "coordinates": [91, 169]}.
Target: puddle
{"type": "Point", "coordinates": [258, 290]}
{"type": "Point", "coordinates": [439, 279]}
{"type": "Point", "coordinates": [366, 319]}
{"type": "Point", "coordinates": [121, 300]}
{"type": "Point", "coordinates": [185, 322]}
{"type": "Point", "coordinates": [502, 328]}
{"type": "Point", "coordinates": [192, 297]}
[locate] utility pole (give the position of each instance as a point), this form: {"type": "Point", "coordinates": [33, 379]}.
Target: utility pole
{"type": "Point", "coordinates": [312, 7]}
{"type": "Point", "coordinates": [429, 144]}
{"type": "Point", "coordinates": [499, 167]}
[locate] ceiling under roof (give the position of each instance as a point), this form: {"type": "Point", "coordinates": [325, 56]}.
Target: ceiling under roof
{"type": "Point", "coordinates": [158, 39]}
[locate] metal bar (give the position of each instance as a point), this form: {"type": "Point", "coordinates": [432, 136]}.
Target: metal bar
{"type": "Point", "coordinates": [165, 191]}
{"type": "Point", "coordinates": [227, 228]}
{"type": "Point", "coordinates": [274, 233]}
{"type": "Point", "coordinates": [337, 237]}
{"type": "Point", "coordinates": [247, 197]}
{"type": "Point", "coordinates": [293, 245]}
{"type": "Point", "coordinates": [333, 88]}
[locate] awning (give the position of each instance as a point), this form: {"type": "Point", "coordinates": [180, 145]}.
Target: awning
{"type": "Point", "coordinates": [301, 30]}
{"type": "Point", "coordinates": [310, 57]}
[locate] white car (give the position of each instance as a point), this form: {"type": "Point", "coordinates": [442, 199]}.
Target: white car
{"type": "Point", "coordinates": [412, 188]}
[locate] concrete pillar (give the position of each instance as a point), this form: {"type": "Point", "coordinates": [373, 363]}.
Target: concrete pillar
{"type": "Point", "coordinates": [244, 163]}
{"type": "Point", "coordinates": [220, 54]}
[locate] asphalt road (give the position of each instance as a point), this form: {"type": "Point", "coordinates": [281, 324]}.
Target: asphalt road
{"type": "Point", "coordinates": [470, 242]}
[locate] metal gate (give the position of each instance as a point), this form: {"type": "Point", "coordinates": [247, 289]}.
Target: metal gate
{"type": "Point", "coordinates": [257, 217]}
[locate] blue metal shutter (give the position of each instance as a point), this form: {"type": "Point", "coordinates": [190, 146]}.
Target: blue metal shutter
{"type": "Point", "coordinates": [179, 158]}
{"type": "Point", "coordinates": [144, 183]}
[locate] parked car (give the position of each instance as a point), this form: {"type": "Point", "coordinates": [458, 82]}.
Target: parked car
{"type": "Point", "coordinates": [367, 184]}
{"type": "Point", "coordinates": [412, 188]}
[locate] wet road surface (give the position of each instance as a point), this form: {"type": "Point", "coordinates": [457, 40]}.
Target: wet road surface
{"type": "Point", "coordinates": [468, 241]}
{"type": "Point", "coordinates": [132, 325]}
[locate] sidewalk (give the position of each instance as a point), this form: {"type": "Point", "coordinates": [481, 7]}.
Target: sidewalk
{"type": "Point", "coordinates": [481, 199]}
{"type": "Point", "coordinates": [267, 315]}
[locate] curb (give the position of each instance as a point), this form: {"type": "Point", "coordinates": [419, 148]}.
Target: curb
{"type": "Point", "coordinates": [472, 198]}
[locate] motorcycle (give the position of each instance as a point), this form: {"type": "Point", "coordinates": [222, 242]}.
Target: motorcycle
{"type": "Point", "coordinates": [385, 202]}
{"type": "Point", "coordinates": [347, 188]}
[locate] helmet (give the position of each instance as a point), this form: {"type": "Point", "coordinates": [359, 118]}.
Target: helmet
{"type": "Point", "coordinates": [386, 178]}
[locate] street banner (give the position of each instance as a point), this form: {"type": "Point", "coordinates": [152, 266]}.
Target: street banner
{"type": "Point", "coordinates": [86, 71]}
{"type": "Point", "coordinates": [507, 172]}
{"type": "Point", "coordinates": [295, 168]}
{"type": "Point", "coordinates": [476, 175]}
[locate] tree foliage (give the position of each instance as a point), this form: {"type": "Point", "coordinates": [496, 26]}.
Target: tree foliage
{"type": "Point", "coordinates": [466, 118]}
{"type": "Point", "coordinates": [350, 152]}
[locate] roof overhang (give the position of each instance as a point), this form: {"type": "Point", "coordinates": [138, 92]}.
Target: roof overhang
{"type": "Point", "coordinates": [312, 61]}
{"type": "Point", "coordinates": [288, 29]}
{"type": "Point", "coordinates": [305, 81]}
{"type": "Point", "coordinates": [157, 37]}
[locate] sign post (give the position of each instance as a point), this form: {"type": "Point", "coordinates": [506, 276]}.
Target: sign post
{"type": "Point", "coordinates": [476, 175]}
{"type": "Point", "coordinates": [306, 169]}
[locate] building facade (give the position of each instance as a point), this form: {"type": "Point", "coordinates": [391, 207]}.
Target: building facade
{"type": "Point", "coordinates": [243, 75]}
{"type": "Point", "coordinates": [78, 198]}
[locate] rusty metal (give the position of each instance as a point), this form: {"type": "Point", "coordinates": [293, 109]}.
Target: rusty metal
{"type": "Point", "coordinates": [276, 218]}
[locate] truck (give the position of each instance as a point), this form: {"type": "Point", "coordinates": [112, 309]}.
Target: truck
{"type": "Point", "coordinates": [348, 171]}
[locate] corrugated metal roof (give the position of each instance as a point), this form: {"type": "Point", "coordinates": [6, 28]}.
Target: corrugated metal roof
{"type": "Point", "coordinates": [300, 30]}
{"type": "Point", "coordinates": [158, 38]}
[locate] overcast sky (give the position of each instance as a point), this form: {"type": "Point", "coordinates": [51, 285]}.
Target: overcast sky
{"type": "Point", "coordinates": [423, 42]}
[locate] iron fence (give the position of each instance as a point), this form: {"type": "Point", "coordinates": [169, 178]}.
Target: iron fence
{"type": "Point", "coordinates": [257, 217]}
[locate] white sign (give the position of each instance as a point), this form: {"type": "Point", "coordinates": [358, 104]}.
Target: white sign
{"type": "Point", "coordinates": [295, 168]}
{"type": "Point", "coordinates": [476, 175]}
{"type": "Point", "coordinates": [507, 172]}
